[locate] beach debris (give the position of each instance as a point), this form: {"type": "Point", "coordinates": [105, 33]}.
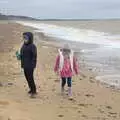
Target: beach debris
{"type": "Point", "coordinates": [113, 113]}
{"type": "Point", "coordinates": [60, 115]}
{"type": "Point", "coordinates": [89, 95]}
{"type": "Point", "coordinates": [71, 99]}
{"type": "Point", "coordinates": [85, 116]}
{"type": "Point", "coordinates": [79, 111]}
{"type": "Point", "coordinates": [108, 107]}
{"type": "Point", "coordinates": [10, 84]}
{"type": "Point", "coordinates": [57, 80]}
{"type": "Point", "coordinates": [50, 78]}
{"type": "Point", "coordinates": [84, 105]}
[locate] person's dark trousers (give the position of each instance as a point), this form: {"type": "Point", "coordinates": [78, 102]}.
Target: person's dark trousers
{"type": "Point", "coordinates": [28, 72]}
{"type": "Point", "coordinates": [69, 81]}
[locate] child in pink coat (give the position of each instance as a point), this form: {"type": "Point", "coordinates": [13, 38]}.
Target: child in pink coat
{"type": "Point", "coordinates": [66, 65]}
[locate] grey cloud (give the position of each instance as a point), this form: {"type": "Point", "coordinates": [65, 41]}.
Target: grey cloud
{"type": "Point", "coordinates": [63, 8]}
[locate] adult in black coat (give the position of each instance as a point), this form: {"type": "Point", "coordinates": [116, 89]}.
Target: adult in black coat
{"type": "Point", "coordinates": [28, 54]}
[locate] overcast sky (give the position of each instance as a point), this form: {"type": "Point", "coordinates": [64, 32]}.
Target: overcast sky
{"type": "Point", "coordinates": [82, 9]}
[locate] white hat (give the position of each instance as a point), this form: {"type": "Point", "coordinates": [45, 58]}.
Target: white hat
{"type": "Point", "coordinates": [66, 47]}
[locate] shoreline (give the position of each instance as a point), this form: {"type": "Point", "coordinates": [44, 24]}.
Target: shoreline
{"type": "Point", "coordinates": [111, 27]}
{"type": "Point", "coordinates": [57, 43]}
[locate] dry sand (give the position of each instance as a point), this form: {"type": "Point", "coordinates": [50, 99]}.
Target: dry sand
{"type": "Point", "coordinates": [92, 101]}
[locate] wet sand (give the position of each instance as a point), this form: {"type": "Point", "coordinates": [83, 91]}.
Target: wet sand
{"type": "Point", "coordinates": [107, 26]}
{"type": "Point", "coordinates": [92, 100]}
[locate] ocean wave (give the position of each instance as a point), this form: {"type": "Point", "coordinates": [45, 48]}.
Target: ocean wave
{"type": "Point", "coordinates": [75, 34]}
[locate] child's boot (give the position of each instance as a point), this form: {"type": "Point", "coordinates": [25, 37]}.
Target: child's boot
{"type": "Point", "coordinates": [70, 93]}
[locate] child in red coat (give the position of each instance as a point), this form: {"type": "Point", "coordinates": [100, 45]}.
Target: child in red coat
{"type": "Point", "coordinates": [66, 65]}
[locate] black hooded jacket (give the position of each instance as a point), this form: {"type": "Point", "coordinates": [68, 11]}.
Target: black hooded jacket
{"type": "Point", "coordinates": [28, 53]}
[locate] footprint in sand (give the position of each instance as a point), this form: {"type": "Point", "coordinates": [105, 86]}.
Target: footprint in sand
{"type": "Point", "coordinates": [91, 81]}
{"type": "Point", "coordinates": [89, 95]}
{"type": "Point", "coordinates": [85, 116]}
{"type": "Point", "coordinates": [1, 85]}
{"type": "Point", "coordinates": [1, 118]}
{"type": "Point", "coordinates": [60, 116]}
{"type": "Point", "coordinates": [71, 99]}
{"type": "Point", "coordinates": [10, 84]}
{"type": "Point", "coordinates": [56, 81]}
{"type": "Point", "coordinates": [53, 89]}
{"type": "Point", "coordinates": [101, 111]}
{"type": "Point", "coordinates": [79, 111]}
{"type": "Point", "coordinates": [5, 103]}
{"type": "Point", "coordinates": [91, 78]}
{"type": "Point", "coordinates": [112, 114]}
{"type": "Point", "coordinates": [84, 105]}
{"type": "Point", "coordinates": [84, 76]}
{"type": "Point", "coordinates": [108, 107]}
{"type": "Point", "coordinates": [18, 119]}
{"type": "Point", "coordinates": [4, 117]}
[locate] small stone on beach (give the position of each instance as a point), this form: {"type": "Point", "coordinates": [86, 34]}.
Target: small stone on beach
{"type": "Point", "coordinates": [79, 111]}
{"type": "Point", "coordinates": [89, 95]}
{"type": "Point", "coordinates": [113, 113]}
{"type": "Point", "coordinates": [10, 84]}
{"type": "Point", "coordinates": [60, 115]}
{"type": "Point", "coordinates": [91, 78]}
{"type": "Point", "coordinates": [92, 81]}
{"type": "Point", "coordinates": [84, 116]}
{"type": "Point", "coordinates": [56, 80]}
{"type": "Point", "coordinates": [109, 107]}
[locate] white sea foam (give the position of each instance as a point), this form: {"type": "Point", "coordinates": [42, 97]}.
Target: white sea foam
{"type": "Point", "coordinates": [75, 34]}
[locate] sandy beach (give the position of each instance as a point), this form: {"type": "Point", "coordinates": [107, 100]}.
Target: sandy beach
{"type": "Point", "coordinates": [91, 99]}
